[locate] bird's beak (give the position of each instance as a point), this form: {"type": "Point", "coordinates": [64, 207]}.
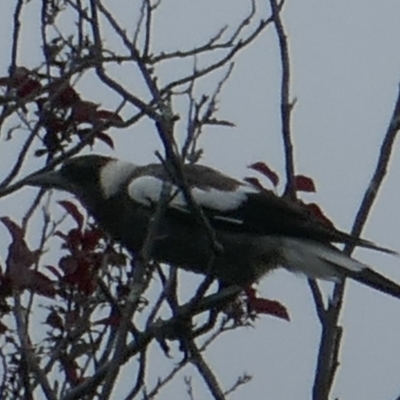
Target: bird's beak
{"type": "Point", "coordinates": [48, 180]}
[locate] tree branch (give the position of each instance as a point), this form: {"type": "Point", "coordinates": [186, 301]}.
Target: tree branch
{"type": "Point", "coordinates": [331, 332]}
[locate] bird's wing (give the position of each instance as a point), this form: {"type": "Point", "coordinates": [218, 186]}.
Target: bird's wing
{"type": "Point", "coordinates": [234, 206]}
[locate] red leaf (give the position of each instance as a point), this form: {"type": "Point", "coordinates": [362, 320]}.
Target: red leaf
{"type": "Point", "coordinates": [317, 212]}
{"type": "Point", "coordinates": [19, 257]}
{"type": "Point", "coordinates": [41, 284]}
{"type": "Point", "coordinates": [84, 111]}
{"type": "Point", "coordinates": [63, 95]}
{"type": "Point", "coordinates": [53, 124]}
{"type": "Point", "coordinates": [78, 273]}
{"type": "Point", "coordinates": [15, 230]}
{"type": "Point", "coordinates": [265, 306]}
{"type": "Point", "coordinates": [28, 87]}
{"type": "Point", "coordinates": [91, 239]}
{"type": "Point", "coordinates": [110, 116]}
{"type": "Point", "coordinates": [72, 210]}
{"type": "Point", "coordinates": [74, 239]}
{"type": "Point", "coordinates": [254, 182]}
{"type": "Point", "coordinates": [304, 184]}
{"type": "Point", "coordinates": [105, 138]}
{"type": "Point", "coordinates": [22, 82]}
{"type": "Point", "coordinates": [266, 171]}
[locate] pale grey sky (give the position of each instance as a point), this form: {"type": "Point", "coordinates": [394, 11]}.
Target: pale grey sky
{"type": "Point", "coordinates": [346, 70]}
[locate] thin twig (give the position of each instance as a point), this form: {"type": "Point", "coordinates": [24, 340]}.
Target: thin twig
{"type": "Point", "coordinates": [204, 370]}
{"type": "Point", "coordinates": [318, 300]}
{"type": "Point", "coordinates": [330, 338]}
{"type": "Point", "coordinates": [286, 105]}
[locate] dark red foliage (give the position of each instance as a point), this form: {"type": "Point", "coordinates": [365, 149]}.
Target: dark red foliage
{"type": "Point", "coordinates": [79, 268]}
{"type": "Point", "coordinates": [41, 284]}
{"type": "Point", "coordinates": [19, 256]}
{"type": "Point", "coordinates": [19, 260]}
{"type": "Point", "coordinates": [23, 81]}
{"type": "Point", "coordinates": [109, 116]}
{"type": "Point", "coordinates": [72, 239]}
{"type": "Point", "coordinates": [15, 230]}
{"type": "Point", "coordinates": [263, 168]}
{"type": "Point", "coordinates": [90, 239]}
{"type": "Point", "coordinates": [316, 211]}
{"type": "Point", "coordinates": [87, 111]}
{"type": "Point", "coordinates": [254, 182]}
{"type": "Point", "coordinates": [304, 184]}
{"type": "Point", "coordinates": [79, 272]}
{"type": "Point", "coordinates": [83, 133]}
{"type": "Point", "coordinates": [103, 137]}
{"type": "Point", "coordinates": [53, 124]}
{"type": "Point", "coordinates": [265, 306]}
{"type": "Point", "coordinates": [28, 87]}
{"type": "Point", "coordinates": [84, 111]}
{"type": "Point", "coordinates": [73, 211]}
{"type": "Point", "coordinates": [62, 95]}
{"type": "Point", "coordinates": [62, 112]}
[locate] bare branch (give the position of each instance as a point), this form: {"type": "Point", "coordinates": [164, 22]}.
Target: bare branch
{"type": "Point", "coordinates": [318, 300]}
{"type": "Point", "coordinates": [286, 105]}
{"type": "Point", "coordinates": [331, 332]}
{"type": "Point", "coordinates": [204, 370]}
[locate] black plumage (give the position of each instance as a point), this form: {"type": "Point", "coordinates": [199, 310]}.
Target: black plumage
{"type": "Point", "coordinates": [258, 230]}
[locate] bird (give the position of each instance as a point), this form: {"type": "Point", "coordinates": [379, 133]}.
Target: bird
{"type": "Point", "coordinates": [257, 230]}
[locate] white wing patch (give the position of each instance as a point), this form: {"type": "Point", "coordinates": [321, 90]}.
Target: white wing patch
{"type": "Point", "coordinates": [219, 200]}
{"type": "Point", "coordinates": [147, 190]}
{"type": "Point", "coordinates": [114, 175]}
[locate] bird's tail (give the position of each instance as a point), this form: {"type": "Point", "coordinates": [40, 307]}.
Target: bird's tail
{"type": "Point", "coordinates": [317, 260]}
{"type": "Point", "coordinates": [376, 281]}
{"type": "Point", "coordinates": [371, 245]}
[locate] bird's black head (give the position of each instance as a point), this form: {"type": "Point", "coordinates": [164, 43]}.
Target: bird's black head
{"type": "Point", "coordinates": [79, 175]}
{"type": "Point", "coordinates": [84, 171]}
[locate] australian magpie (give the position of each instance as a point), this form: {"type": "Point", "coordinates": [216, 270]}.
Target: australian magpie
{"type": "Point", "coordinates": [257, 230]}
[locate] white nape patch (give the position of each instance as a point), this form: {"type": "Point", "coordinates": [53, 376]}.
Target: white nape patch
{"type": "Point", "coordinates": [147, 190]}
{"type": "Point", "coordinates": [114, 175]}
{"type": "Point", "coordinates": [316, 260]}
